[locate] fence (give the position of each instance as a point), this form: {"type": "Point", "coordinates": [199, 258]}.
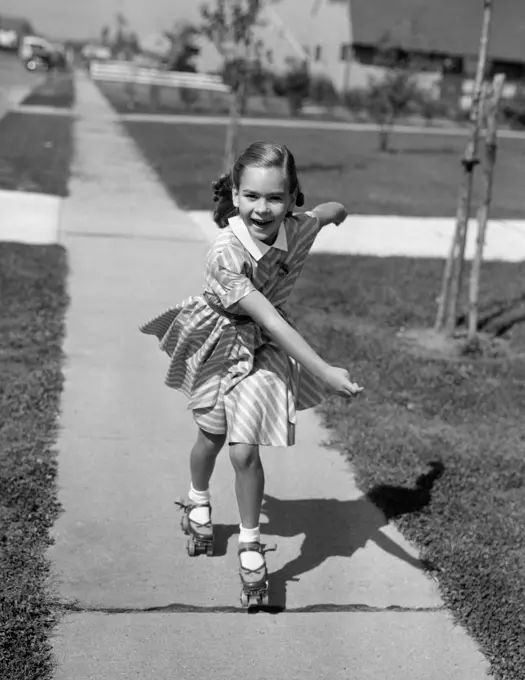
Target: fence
{"type": "Point", "coordinates": [126, 72]}
{"type": "Point", "coordinates": [510, 90]}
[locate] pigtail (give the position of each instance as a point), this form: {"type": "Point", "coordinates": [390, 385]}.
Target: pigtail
{"type": "Point", "coordinates": [222, 195]}
{"type": "Point", "coordinates": [299, 201]}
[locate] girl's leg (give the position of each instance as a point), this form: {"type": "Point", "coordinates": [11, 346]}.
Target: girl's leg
{"type": "Point", "coordinates": [202, 462]}
{"type": "Point", "coordinates": [249, 488]}
{"type": "Point", "coordinates": [203, 457]}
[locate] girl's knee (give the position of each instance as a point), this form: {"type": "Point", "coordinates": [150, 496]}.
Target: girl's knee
{"type": "Point", "coordinates": [211, 443]}
{"type": "Point", "coordinates": [244, 456]}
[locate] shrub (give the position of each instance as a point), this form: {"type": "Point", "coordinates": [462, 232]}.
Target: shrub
{"type": "Point", "coordinates": [322, 91]}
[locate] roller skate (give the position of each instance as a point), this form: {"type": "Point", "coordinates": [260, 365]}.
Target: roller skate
{"type": "Point", "coordinates": [254, 592]}
{"type": "Point", "coordinates": [200, 536]}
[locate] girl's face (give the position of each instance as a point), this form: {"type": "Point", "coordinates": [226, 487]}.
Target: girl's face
{"type": "Point", "coordinates": [263, 199]}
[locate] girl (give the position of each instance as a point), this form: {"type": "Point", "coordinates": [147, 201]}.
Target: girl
{"type": "Point", "coordinates": [235, 355]}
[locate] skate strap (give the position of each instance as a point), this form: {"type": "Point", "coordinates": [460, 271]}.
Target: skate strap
{"type": "Point", "coordinates": [250, 547]}
{"type": "Point", "coordinates": [260, 569]}
{"type": "Point", "coordinates": [257, 547]}
{"type": "Point", "coordinates": [199, 524]}
{"type": "Point", "coordinates": [188, 507]}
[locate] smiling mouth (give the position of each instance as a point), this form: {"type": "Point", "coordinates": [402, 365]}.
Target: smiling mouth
{"type": "Point", "coordinates": [261, 223]}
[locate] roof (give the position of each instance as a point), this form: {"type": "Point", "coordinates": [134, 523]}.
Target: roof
{"type": "Point", "coordinates": [443, 26]}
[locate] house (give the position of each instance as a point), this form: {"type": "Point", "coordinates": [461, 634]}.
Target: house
{"type": "Point", "coordinates": [341, 39]}
{"type": "Point", "coordinates": [444, 33]}
{"type": "Point", "coordinates": [288, 31]}
{"type": "Point", "coordinates": [442, 37]}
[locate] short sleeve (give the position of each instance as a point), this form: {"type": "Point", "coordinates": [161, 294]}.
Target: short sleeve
{"type": "Point", "coordinates": [228, 276]}
{"type": "Point", "coordinates": [307, 227]}
{"type": "Point", "coordinates": [309, 220]}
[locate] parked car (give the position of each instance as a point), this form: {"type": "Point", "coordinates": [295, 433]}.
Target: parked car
{"type": "Point", "coordinates": [31, 43]}
{"type": "Point", "coordinates": [47, 58]}
{"type": "Point", "coordinates": [92, 52]}
{"type": "Point", "coordinates": [8, 39]}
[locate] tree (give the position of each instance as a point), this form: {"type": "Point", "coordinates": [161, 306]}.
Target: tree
{"type": "Point", "coordinates": [296, 85]}
{"type": "Point", "coordinates": [105, 36]}
{"type": "Point", "coordinates": [389, 98]}
{"type": "Point", "coordinates": [184, 49]}
{"type": "Point", "coordinates": [183, 52]}
{"type": "Point", "coordinates": [230, 26]}
{"type": "Point", "coordinates": [394, 93]}
{"type": "Point", "coordinates": [125, 43]}
{"type": "Point", "coordinates": [446, 317]}
{"type": "Point", "coordinates": [120, 32]}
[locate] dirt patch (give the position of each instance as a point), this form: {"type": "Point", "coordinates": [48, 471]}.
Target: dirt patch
{"type": "Point", "coordinates": [424, 343]}
{"type": "Point", "coordinates": [428, 344]}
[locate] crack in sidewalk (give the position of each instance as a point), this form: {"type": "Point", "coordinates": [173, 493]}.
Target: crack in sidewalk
{"type": "Point", "coordinates": [178, 608]}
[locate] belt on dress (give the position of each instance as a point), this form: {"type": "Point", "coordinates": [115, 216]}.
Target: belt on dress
{"type": "Point", "coordinates": [236, 318]}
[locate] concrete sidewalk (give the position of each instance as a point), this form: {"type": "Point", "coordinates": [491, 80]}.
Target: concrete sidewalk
{"type": "Point", "coordinates": [357, 604]}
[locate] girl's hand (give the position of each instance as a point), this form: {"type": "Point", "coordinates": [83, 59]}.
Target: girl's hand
{"type": "Point", "coordinates": [338, 380]}
{"type": "Point", "coordinates": [341, 215]}
{"type": "Point", "coordinates": [330, 213]}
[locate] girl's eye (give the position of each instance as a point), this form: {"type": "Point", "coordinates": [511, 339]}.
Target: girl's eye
{"type": "Point", "coordinates": [272, 199]}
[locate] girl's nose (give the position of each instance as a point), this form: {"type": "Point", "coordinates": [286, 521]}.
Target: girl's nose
{"type": "Point", "coordinates": [262, 206]}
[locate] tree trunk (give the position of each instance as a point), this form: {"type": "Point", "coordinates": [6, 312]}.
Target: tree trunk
{"type": "Point", "coordinates": [383, 138]}
{"type": "Point", "coordinates": [490, 162]}
{"type": "Point", "coordinates": [385, 129]}
{"type": "Point", "coordinates": [154, 97]}
{"type": "Point", "coordinates": [232, 132]}
{"type": "Point", "coordinates": [239, 93]}
{"type": "Point", "coordinates": [453, 272]}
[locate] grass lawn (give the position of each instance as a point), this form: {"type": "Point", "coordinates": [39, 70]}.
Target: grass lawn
{"type": "Point", "coordinates": [453, 423]}
{"type": "Point", "coordinates": [419, 179]}
{"type": "Point", "coordinates": [32, 307]}
{"type": "Point", "coordinates": [57, 90]}
{"type": "Point", "coordinates": [35, 153]}
{"type": "Point", "coordinates": [465, 416]}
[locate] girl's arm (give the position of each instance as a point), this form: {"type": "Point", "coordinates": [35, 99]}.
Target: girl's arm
{"type": "Point", "coordinates": [261, 310]}
{"type": "Point", "coordinates": [330, 213]}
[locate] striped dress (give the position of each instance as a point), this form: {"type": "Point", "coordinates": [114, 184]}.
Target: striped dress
{"type": "Point", "coordinates": [236, 379]}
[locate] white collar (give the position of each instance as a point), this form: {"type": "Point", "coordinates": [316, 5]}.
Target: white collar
{"type": "Point", "coordinates": [256, 248]}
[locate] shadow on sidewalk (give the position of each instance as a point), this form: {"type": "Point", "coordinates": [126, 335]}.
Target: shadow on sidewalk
{"type": "Point", "coordinates": [334, 528]}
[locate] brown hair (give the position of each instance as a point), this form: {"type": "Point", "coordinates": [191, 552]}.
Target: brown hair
{"type": "Point", "coordinates": [257, 155]}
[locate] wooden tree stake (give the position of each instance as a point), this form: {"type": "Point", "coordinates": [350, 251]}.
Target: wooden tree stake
{"type": "Point", "coordinates": [452, 275]}
{"type": "Point", "coordinates": [483, 213]}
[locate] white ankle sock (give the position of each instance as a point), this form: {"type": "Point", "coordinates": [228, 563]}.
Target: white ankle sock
{"type": "Point", "coordinates": [249, 535]}
{"type": "Point", "coordinates": [250, 559]}
{"type": "Point", "coordinates": [198, 497]}
{"type": "Point", "coordinates": [201, 513]}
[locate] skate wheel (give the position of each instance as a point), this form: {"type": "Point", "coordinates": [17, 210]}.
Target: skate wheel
{"type": "Point", "coordinates": [192, 548]}
{"type": "Point", "coordinates": [209, 550]}
{"type": "Point", "coordinates": [254, 599]}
